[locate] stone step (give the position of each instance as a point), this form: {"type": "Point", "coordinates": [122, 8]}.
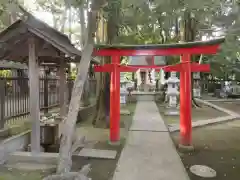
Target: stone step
{"type": "Point", "coordinates": [28, 157]}
{"type": "Point", "coordinates": [145, 98]}
{"type": "Point", "coordinates": [26, 166]}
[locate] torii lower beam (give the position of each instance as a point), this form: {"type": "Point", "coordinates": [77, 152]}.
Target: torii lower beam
{"type": "Point", "coordinates": [185, 50]}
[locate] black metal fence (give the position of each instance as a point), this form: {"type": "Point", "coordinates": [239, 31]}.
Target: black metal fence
{"type": "Point", "coordinates": [14, 96]}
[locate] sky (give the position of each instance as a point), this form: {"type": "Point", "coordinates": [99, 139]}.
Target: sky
{"type": "Point", "coordinates": [44, 16]}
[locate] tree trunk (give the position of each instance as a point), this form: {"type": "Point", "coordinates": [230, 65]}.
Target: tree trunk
{"type": "Point", "coordinates": [85, 97]}
{"type": "Point", "coordinates": [65, 154]}
{"type": "Point", "coordinates": [188, 33]}
{"type": "Point", "coordinates": [103, 101]}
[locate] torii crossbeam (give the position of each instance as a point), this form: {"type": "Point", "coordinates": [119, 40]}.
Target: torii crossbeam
{"type": "Point", "coordinates": [185, 50]}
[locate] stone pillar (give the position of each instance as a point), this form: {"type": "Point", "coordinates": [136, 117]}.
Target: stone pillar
{"type": "Point", "coordinates": [138, 78]}
{"type": "Point", "coordinates": [153, 84]}
{"type": "Point", "coordinates": [162, 77]}
{"type": "Point", "coordinates": [172, 95]}
{"type": "Point", "coordinates": [123, 94]}
{"type": "Point", "coordinates": [122, 80]}
{"type": "Point", "coordinates": [196, 85]}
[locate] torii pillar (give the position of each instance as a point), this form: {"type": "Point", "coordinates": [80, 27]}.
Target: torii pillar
{"type": "Point", "coordinates": [186, 68]}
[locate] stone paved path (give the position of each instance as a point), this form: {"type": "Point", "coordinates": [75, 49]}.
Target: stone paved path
{"type": "Point", "coordinates": [149, 153]}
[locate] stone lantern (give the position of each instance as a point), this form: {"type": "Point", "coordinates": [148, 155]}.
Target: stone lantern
{"type": "Point", "coordinates": [172, 94]}
{"type": "Point", "coordinates": [196, 85]}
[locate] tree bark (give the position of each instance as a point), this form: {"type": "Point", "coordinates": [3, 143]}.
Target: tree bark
{"type": "Point", "coordinates": [103, 98]}
{"type": "Point", "coordinates": [188, 33]}
{"type": "Point", "coordinates": [85, 96]}
{"type": "Point", "coordinates": [65, 154]}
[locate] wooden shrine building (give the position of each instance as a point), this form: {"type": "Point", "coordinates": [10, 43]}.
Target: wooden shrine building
{"type": "Point", "coordinates": [35, 43]}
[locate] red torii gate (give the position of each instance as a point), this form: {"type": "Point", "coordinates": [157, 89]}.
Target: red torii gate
{"type": "Point", "coordinates": [185, 50]}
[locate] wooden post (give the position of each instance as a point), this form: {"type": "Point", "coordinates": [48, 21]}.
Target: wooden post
{"type": "Point", "coordinates": [63, 89]}
{"type": "Point", "coordinates": [34, 96]}
{"type": "Point", "coordinates": [115, 102]}
{"type": "Point", "coordinates": [2, 102]}
{"type": "Point", "coordinates": [45, 95]}
{"type": "Point", "coordinates": [70, 83]}
{"type": "Point", "coordinates": [185, 102]}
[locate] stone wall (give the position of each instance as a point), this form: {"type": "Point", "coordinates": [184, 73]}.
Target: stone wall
{"type": "Point", "coordinates": [86, 112]}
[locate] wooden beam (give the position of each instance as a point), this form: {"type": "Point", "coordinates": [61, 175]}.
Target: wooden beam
{"type": "Point", "coordinates": [34, 96]}
{"type": "Point", "coordinates": [210, 49]}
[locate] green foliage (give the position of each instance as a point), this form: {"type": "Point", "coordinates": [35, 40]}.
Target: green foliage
{"type": "Point", "coordinates": [73, 73]}
{"type": "Point", "coordinates": [158, 21]}
{"type": "Point", "coordinates": [5, 73]}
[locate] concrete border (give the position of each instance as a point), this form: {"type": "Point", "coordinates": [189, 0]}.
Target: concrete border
{"type": "Point", "coordinates": [17, 142]}
{"type": "Point", "coordinates": [200, 123]}
{"type": "Point", "coordinates": [231, 113]}
{"type": "Point", "coordinates": [221, 100]}
{"type": "Point", "coordinates": [28, 157]}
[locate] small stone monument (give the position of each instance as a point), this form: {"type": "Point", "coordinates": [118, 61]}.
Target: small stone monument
{"type": "Point", "coordinates": [123, 93]}
{"type": "Point", "coordinates": [203, 171]}
{"type": "Point", "coordinates": [172, 94]}
{"type": "Point", "coordinates": [123, 89]}
{"type": "Point", "coordinates": [196, 85]}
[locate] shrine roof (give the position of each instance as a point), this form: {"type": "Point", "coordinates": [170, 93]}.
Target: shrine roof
{"type": "Point", "coordinates": [53, 45]}
{"type": "Point", "coordinates": [162, 46]}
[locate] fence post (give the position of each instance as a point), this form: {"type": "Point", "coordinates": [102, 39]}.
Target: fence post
{"type": "Point", "coordinates": [2, 102]}
{"type": "Point", "coordinates": [45, 94]}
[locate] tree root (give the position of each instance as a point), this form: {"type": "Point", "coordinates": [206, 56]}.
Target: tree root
{"type": "Point", "coordinates": [81, 175]}
{"type": "Point", "coordinates": [195, 104]}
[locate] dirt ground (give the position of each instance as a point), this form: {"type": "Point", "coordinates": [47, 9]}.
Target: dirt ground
{"type": "Point", "coordinates": [233, 105]}
{"type": "Point", "coordinates": [12, 174]}
{"type": "Point", "coordinates": [202, 113]}
{"type": "Point", "coordinates": [217, 146]}
{"type": "Point", "coordinates": [103, 169]}
{"type": "Point", "coordinates": [97, 138]}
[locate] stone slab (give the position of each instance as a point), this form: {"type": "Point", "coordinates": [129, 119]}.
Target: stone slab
{"type": "Point", "coordinates": [28, 157]}
{"type": "Point", "coordinates": [145, 97]}
{"type": "Point", "coordinates": [221, 100]}
{"type": "Point", "coordinates": [4, 132]}
{"type": "Point", "coordinates": [17, 142]}
{"type": "Point", "coordinates": [97, 153]}
{"type": "Point", "coordinates": [144, 93]}
{"type": "Point", "coordinates": [33, 167]}
{"type": "Point", "coordinates": [203, 171]}
{"type": "Point", "coordinates": [147, 118]}
{"type": "Point", "coordinates": [200, 123]}
{"type": "Point", "coordinates": [124, 112]}
{"type": "Point", "coordinates": [149, 155]}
